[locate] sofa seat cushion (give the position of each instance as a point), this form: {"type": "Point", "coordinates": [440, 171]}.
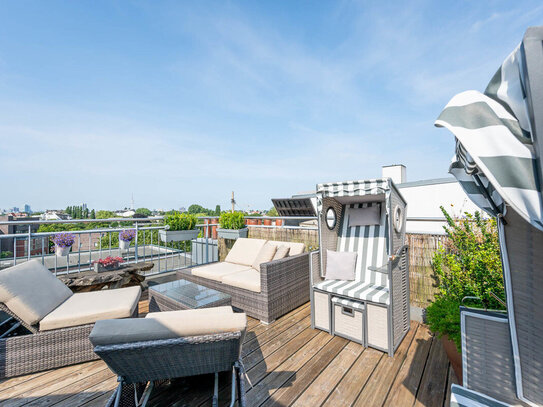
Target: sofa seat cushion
{"type": "Point", "coordinates": [295, 248]}
{"type": "Point", "coordinates": [245, 251]}
{"type": "Point", "coordinates": [356, 290]}
{"type": "Point", "coordinates": [31, 291]}
{"type": "Point", "coordinates": [217, 271]}
{"type": "Point", "coordinates": [167, 325]}
{"type": "Point", "coordinates": [87, 308]}
{"type": "Point", "coordinates": [248, 280]}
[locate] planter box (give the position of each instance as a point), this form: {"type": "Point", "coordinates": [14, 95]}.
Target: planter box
{"type": "Point", "coordinates": [98, 268]}
{"type": "Point", "coordinates": [177, 235]}
{"type": "Point", "coordinates": [232, 233]}
{"type": "Point", "coordinates": [62, 251]}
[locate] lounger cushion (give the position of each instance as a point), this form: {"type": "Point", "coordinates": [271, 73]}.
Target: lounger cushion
{"type": "Point", "coordinates": [265, 255]}
{"type": "Point", "coordinates": [31, 291]}
{"type": "Point", "coordinates": [282, 252]}
{"type": "Point", "coordinates": [217, 271]}
{"type": "Point", "coordinates": [248, 280]}
{"type": "Point", "coordinates": [175, 324]}
{"type": "Point", "coordinates": [356, 290]}
{"type": "Point", "coordinates": [295, 248]}
{"type": "Point", "coordinates": [245, 251]}
{"type": "Point", "coordinates": [87, 308]}
{"type": "Point", "coordinates": [340, 265]}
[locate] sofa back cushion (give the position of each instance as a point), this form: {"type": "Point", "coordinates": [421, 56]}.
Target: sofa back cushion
{"type": "Point", "coordinates": [245, 251]}
{"type": "Point", "coordinates": [295, 248]}
{"type": "Point", "coordinates": [31, 291]}
{"type": "Point", "coordinates": [282, 252]}
{"type": "Point", "coordinates": [265, 255]}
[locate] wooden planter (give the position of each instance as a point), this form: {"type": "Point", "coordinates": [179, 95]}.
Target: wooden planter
{"type": "Point", "coordinates": [454, 356]}
{"type": "Point", "coordinates": [232, 233]}
{"type": "Point", "coordinates": [177, 235]}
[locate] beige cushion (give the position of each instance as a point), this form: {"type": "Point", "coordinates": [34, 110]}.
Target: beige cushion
{"type": "Point", "coordinates": [87, 308]}
{"type": "Point", "coordinates": [265, 255]}
{"type": "Point", "coordinates": [175, 324]}
{"type": "Point", "coordinates": [340, 265]}
{"type": "Point", "coordinates": [282, 252]}
{"type": "Point", "coordinates": [245, 251]}
{"type": "Point", "coordinates": [31, 291]}
{"type": "Point", "coordinates": [248, 280]}
{"type": "Point", "coordinates": [295, 248]}
{"type": "Point", "coordinates": [217, 271]}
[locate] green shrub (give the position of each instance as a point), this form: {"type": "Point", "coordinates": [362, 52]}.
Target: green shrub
{"type": "Point", "coordinates": [6, 254]}
{"type": "Point", "coordinates": [232, 220]}
{"type": "Point", "coordinates": [468, 264]}
{"type": "Point", "coordinates": [181, 221]}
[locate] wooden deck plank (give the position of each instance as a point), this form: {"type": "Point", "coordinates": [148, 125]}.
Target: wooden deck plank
{"type": "Point", "coordinates": [324, 384]}
{"type": "Point", "coordinates": [98, 393]}
{"type": "Point", "coordinates": [451, 379]}
{"type": "Point", "coordinates": [348, 389]}
{"type": "Point", "coordinates": [434, 380]}
{"type": "Point", "coordinates": [376, 389]}
{"type": "Point", "coordinates": [407, 383]}
{"type": "Point", "coordinates": [283, 373]}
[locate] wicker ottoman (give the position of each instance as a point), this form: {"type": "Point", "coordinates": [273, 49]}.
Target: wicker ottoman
{"type": "Point", "coordinates": [183, 294]}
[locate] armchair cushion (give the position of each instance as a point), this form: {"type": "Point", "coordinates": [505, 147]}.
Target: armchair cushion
{"type": "Point", "coordinates": [244, 251]}
{"type": "Point", "coordinates": [87, 308]}
{"type": "Point", "coordinates": [174, 324]}
{"type": "Point", "coordinates": [265, 255]}
{"type": "Point", "coordinates": [248, 280]}
{"type": "Point", "coordinates": [31, 291]}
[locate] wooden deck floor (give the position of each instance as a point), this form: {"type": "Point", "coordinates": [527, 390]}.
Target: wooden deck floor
{"type": "Point", "coordinates": [287, 362]}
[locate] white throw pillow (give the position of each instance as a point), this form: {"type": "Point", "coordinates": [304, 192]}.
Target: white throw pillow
{"type": "Point", "coordinates": [368, 216]}
{"type": "Point", "coordinates": [340, 265]}
{"type": "Point", "coordinates": [265, 255]}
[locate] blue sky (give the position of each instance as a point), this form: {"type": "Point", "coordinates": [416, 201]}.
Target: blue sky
{"type": "Point", "coordinates": [183, 102]}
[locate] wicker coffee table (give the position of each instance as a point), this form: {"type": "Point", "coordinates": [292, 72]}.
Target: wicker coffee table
{"type": "Point", "coordinates": [183, 294]}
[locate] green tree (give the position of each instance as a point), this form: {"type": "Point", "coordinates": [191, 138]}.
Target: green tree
{"type": "Point", "coordinates": [92, 214]}
{"type": "Point", "coordinates": [272, 212]}
{"type": "Point", "coordinates": [144, 211]}
{"type": "Point", "coordinates": [103, 214]}
{"type": "Point", "coordinates": [194, 208]}
{"type": "Point", "coordinates": [218, 210]}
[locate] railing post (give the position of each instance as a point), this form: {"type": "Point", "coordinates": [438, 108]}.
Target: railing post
{"type": "Point", "coordinates": [29, 237]}
{"type": "Point", "coordinates": [136, 243]}
{"type": "Point", "coordinates": [14, 251]}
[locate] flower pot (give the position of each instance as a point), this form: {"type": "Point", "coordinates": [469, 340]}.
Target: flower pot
{"type": "Point", "coordinates": [267, 222]}
{"type": "Point", "coordinates": [214, 221]}
{"type": "Point", "coordinates": [62, 251]}
{"type": "Point", "coordinates": [454, 356]}
{"type": "Point", "coordinates": [278, 222]}
{"type": "Point", "coordinates": [124, 244]}
{"type": "Point", "coordinates": [232, 233]}
{"type": "Point", "coordinates": [177, 235]}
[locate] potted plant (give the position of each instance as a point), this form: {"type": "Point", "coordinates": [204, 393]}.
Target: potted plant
{"type": "Point", "coordinates": [467, 265]}
{"type": "Point", "coordinates": [125, 238]}
{"type": "Point", "coordinates": [107, 264]}
{"type": "Point", "coordinates": [232, 225]}
{"type": "Point", "coordinates": [63, 243]}
{"type": "Point", "coordinates": [179, 227]}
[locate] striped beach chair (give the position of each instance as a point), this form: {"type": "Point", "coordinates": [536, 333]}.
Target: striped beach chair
{"type": "Point", "coordinates": [372, 309]}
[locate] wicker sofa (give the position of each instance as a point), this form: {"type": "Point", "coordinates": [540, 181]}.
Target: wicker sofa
{"type": "Point", "coordinates": [263, 290]}
{"type": "Point", "coordinates": [49, 326]}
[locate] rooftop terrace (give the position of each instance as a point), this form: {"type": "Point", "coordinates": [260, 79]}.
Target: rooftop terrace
{"type": "Point", "coordinates": [287, 362]}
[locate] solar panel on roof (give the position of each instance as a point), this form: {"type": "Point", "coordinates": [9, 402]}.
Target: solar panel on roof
{"type": "Point", "coordinates": [294, 207]}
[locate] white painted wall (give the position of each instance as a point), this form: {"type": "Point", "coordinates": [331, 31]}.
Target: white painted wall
{"type": "Point", "coordinates": [423, 201]}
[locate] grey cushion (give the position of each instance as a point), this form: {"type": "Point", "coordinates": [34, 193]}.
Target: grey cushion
{"type": "Point", "coordinates": [367, 216]}
{"type": "Point", "coordinates": [31, 291]}
{"type": "Point", "coordinates": [340, 265]}
{"type": "Point", "coordinates": [169, 325]}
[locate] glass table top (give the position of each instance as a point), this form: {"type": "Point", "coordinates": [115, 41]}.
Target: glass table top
{"type": "Point", "coordinates": [190, 294]}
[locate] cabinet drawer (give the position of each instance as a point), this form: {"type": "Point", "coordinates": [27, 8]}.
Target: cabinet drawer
{"type": "Point", "coordinates": [348, 319]}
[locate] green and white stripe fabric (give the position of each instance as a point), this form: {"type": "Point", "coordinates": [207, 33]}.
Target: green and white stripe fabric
{"type": "Point", "coordinates": [494, 160]}
{"type": "Point", "coordinates": [348, 303]}
{"type": "Point", "coordinates": [462, 397]}
{"type": "Point", "coordinates": [351, 188]}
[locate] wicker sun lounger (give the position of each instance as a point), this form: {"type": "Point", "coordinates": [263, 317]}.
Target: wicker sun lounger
{"type": "Point", "coordinates": [170, 345]}
{"type": "Point", "coordinates": [49, 326]}
{"type": "Point", "coordinates": [272, 290]}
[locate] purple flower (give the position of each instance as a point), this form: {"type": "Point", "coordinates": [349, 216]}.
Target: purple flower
{"type": "Point", "coordinates": [64, 239]}
{"type": "Point", "coordinates": [127, 235]}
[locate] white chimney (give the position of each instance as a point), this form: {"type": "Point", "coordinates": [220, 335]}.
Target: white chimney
{"type": "Point", "coordinates": [397, 172]}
